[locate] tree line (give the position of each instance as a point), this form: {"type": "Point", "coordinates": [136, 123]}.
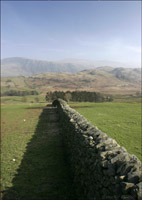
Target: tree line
{"type": "Point", "coordinates": [78, 96]}
{"type": "Point", "coordinates": [19, 93]}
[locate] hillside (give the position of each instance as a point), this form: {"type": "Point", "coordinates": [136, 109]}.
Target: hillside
{"type": "Point", "coordinates": [12, 67]}
{"type": "Point", "coordinates": [17, 66]}
{"type": "Point", "coordinates": [103, 79]}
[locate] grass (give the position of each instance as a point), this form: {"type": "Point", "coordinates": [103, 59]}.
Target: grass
{"type": "Point", "coordinates": [19, 99]}
{"type": "Point", "coordinates": [127, 98]}
{"type": "Point", "coordinates": [33, 165]}
{"type": "Point", "coordinates": [121, 121]}
{"type": "Point", "coordinates": [15, 135]}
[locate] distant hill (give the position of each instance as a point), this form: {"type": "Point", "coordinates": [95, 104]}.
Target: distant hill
{"type": "Point", "coordinates": [102, 79]}
{"type": "Point", "coordinates": [127, 74]}
{"type": "Point", "coordinates": [16, 66]}
{"type": "Point", "coordinates": [27, 67]}
{"type": "Point", "coordinates": [124, 74]}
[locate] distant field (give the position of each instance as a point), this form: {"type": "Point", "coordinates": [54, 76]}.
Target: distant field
{"type": "Point", "coordinates": [6, 100]}
{"type": "Point", "coordinates": [121, 121]}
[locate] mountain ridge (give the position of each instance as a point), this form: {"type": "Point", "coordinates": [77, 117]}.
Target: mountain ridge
{"type": "Point", "coordinates": [20, 66]}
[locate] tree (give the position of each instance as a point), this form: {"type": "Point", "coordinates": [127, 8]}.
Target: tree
{"type": "Point", "coordinates": [80, 96]}
{"type": "Point", "coordinates": [68, 97]}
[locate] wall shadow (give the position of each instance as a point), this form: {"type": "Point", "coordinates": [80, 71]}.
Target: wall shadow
{"type": "Point", "coordinates": [43, 173]}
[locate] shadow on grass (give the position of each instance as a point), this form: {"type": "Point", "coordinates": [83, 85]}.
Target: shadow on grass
{"type": "Point", "coordinates": [43, 173]}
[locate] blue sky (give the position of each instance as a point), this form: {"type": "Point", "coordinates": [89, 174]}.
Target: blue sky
{"type": "Point", "coordinates": [99, 30]}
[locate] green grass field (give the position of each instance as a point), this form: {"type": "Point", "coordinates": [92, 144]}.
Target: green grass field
{"type": "Point", "coordinates": [121, 121]}
{"type": "Point", "coordinates": [7, 100]}
{"type": "Point", "coordinates": [32, 158]}
{"type": "Point", "coordinates": [18, 125]}
{"type": "Point", "coordinates": [23, 143]}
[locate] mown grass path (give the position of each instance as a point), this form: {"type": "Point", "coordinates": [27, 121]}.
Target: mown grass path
{"type": "Point", "coordinates": [43, 172]}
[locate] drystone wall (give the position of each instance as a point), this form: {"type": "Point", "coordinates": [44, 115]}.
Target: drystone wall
{"type": "Point", "coordinates": [101, 168]}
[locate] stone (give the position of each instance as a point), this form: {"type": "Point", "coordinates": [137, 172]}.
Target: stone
{"type": "Point", "coordinates": [126, 187]}
{"type": "Point", "coordinates": [117, 158]}
{"type": "Point", "coordinates": [116, 189]}
{"type": "Point", "coordinates": [71, 120]}
{"type": "Point", "coordinates": [105, 191]}
{"type": "Point", "coordinates": [123, 149]}
{"type": "Point", "coordinates": [133, 177]}
{"type": "Point", "coordinates": [106, 183]}
{"type": "Point", "coordinates": [111, 171]}
{"type": "Point", "coordinates": [127, 197]}
{"type": "Point", "coordinates": [125, 168]}
{"type": "Point", "coordinates": [110, 147]}
{"type": "Point", "coordinates": [91, 138]}
{"type": "Point", "coordinates": [122, 177]}
{"type": "Point", "coordinates": [139, 192]}
{"type": "Point", "coordinates": [104, 163]}
{"type": "Point", "coordinates": [134, 159]}
{"type": "Point", "coordinates": [112, 180]}
{"type": "Point", "coordinates": [92, 143]}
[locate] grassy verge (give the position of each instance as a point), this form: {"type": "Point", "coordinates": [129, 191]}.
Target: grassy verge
{"type": "Point", "coordinates": [121, 121]}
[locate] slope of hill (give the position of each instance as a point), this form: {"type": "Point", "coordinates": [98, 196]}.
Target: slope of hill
{"type": "Point", "coordinates": [103, 79]}
{"type": "Point", "coordinates": [128, 74]}
{"type": "Point", "coordinates": [16, 66]}
{"type": "Point", "coordinates": [124, 74]}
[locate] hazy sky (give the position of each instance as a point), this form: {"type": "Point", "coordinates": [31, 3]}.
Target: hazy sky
{"type": "Point", "coordinates": [48, 30]}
